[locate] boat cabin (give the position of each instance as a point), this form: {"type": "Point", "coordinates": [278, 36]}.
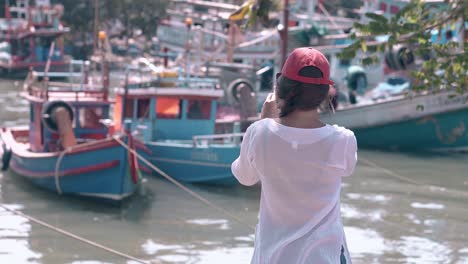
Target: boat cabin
{"type": "Point", "coordinates": [167, 113]}
{"type": "Point", "coordinates": [86, 103]}
{"type": "Point", "coordinates": [27, 33]}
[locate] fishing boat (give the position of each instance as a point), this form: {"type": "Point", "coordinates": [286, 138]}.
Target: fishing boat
{"type": "Point", "coordinates": [26, 34]}
{"type": "Point", "coordinates": [175, 117]}
{"type": "Point", "coordinates": [68, 147]}
{"type": "Point", "coordinates": [207, 33]}
{"type": "Point", "coordinates": [406, 120]}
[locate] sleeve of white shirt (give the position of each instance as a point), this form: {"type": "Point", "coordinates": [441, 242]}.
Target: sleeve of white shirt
{"type": "Point", "coordinates": [351, 154]}
{"type": "Point", "coordinates": [243, 167]}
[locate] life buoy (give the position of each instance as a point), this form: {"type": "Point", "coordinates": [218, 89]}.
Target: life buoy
{"type": "Point", "coordinates": [6, 156]}
{"type": "Point", "coordinates": [357, 81]}
{"type": "Point", "coordinates": [399, 58]}
{"type": "Point", "coordinates": [47, 114]}
{"type": "Point", "coordinates": [235, 86]}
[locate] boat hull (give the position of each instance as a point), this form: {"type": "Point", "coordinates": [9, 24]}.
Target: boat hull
{"type": "Point", "coordinates": [436, 122]}
{"type": "Point", "coordinates": [98, 170]}
{"type": "Point", "coordinates": [189, 164]}
{"type": "Point", "coordinates": [21, 70]}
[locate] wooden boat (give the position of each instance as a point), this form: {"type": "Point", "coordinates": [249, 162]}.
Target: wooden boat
{"type": "Point", "coordinates": [175, 117]}
{"type": "Point", "coordinates": [26, 36]}
{"type": "Point", "coordinates": [437, 122]}
{"type": "Point", "coordinates": [66, 148]}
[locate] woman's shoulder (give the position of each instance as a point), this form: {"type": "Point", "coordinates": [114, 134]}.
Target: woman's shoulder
{"type": "Point", "coordinates": [258, 124]}
{"type": "Point", "coordinates": [342, 131]}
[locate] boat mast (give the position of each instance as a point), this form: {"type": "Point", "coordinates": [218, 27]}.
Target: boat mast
{"type": "Point", "coordinates": [46, 70]}
{"type": "Point", "coordinates": [284, 45]}
{"type": "Point", "coordinates": [188, 24]}
{"type": "Point", "coordinates": [8, 19]}
{"type": "Point", "coordinates": [96, 25]}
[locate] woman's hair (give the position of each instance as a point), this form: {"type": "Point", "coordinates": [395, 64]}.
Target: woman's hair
{"type": "Point", "coordinates": [301, 96]}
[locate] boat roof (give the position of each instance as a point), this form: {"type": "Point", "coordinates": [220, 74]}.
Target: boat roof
{"type": "Point", "coordinates": [180, 92]}
{"type": "Point", "coordinates": [73, 93]}
{"type": "Point", "coordinates": [19, 32]}
{"type": "Point", "coordinates": [227, 7]}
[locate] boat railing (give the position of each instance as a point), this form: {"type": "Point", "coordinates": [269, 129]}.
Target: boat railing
{"type": "Point", "coordinates": [151, 75]}
{"type": "Point", "coordinates": [203, 140]}
{"type": "Point", "coordinates": [69, 93]}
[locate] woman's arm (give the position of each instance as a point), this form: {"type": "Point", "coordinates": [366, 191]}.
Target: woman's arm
{"type": "Point", "coordinates": [270, 108]}
{"type": "Point", "coordinates": [243, 167]}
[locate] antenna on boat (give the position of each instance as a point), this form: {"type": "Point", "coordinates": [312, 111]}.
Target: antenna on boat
{"type": "Point", "coordinates": [46, 70]}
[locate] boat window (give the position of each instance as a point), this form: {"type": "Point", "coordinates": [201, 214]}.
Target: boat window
{"type": "Point", "coordinates": [394, 9]}
{"type": "Point", "coordinates": [383, 7]}
{"type": "Point", "coordinates": [143, 108]}
{"type": "Point", "coordinates": [345, 62]}
{"type": "Point", "coordinates": [199, 109]}
{"type": "Point", "coordinates": [129, 108]}
{"type": "Point", "coordinates": [168, 108]}
{"type": "Point", "coordinates": [90, 117]}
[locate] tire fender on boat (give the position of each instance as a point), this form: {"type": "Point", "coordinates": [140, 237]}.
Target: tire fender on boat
{"type": "Point", "coordinates": [399, 58]}
{"type": "Point", "coordinates": [235, 87]}
{"type": "Point", "coordinates": [48, 110]}
{"type": "Point", "coordinates": [6, 156]}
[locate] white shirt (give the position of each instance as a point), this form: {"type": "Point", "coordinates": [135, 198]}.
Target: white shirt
{"type": "Point", "coordinates": [300, 172]}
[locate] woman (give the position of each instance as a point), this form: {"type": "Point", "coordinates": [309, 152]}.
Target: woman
{"type": "Point", "coordinates": [299, 161]}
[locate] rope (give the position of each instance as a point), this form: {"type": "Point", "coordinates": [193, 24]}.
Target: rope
{"type": "Point", "coordinates": [57, 168]}
{"type": "Point", "coordinates": [71, 235]}
{"type": "Point", "coordinates": [432, 188]}
{"type": "Point", "coordinates": [178, 184]}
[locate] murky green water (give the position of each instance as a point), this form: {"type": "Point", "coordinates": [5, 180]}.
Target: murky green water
{"type": "Point", "coordinates": [387, 219]}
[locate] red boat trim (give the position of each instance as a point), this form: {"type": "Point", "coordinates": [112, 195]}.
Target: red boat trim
{"type": "Point", "coordinates": [26, 65]}
{"type": "Point", "coordinates": [20, 150]}
{"type": "Point", "coordinates": [146, 169]}
{"type": "Point", "coordinates": [92, 146]}
{"type": "Point", "coordinates": [62, 173]}
{"type": "Point", "coordinates": [141, 146]}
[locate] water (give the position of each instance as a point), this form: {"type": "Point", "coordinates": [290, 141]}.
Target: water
{"type": "Point", "coordinates": [387, 219]}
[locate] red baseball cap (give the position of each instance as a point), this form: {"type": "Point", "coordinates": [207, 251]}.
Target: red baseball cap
{"type": "Point", "coordinates": [303, 57]}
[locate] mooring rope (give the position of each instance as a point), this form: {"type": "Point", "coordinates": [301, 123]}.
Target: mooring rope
{"type": "Point", "coordinates": [71, 235]}
{"type": "Point", "coordinates": [178, 184]}
{"type": "Point", "coordinates": [431, 187]}
{"type": "Point", "coordinates": [57, 169]}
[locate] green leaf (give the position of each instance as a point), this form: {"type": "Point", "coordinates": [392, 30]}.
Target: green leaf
{"type": "Point", "coordinates": [378, 28]}
{"type": "Point", "coordinates": [364, 46]}
{"type": "Point", "coordinates": [422, 41]}
{"type": "Point", "coordinates": [367, 61]}
{"type": "Point", "coordinates": [377, 17]}
{"type": "Point", "coordinates": [405, 10]}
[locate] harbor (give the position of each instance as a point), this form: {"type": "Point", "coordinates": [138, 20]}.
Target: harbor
{"type": "Point", "coordinates": [117, 135]}
{"type": "Point", "coordinates": [420, 218]}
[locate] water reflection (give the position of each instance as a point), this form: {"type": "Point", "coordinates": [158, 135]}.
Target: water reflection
{"type": "Point", "coordinates": [14, 238]}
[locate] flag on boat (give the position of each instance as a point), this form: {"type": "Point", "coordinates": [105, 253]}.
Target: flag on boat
{"type": "Point", "coordinates": [240, 13]}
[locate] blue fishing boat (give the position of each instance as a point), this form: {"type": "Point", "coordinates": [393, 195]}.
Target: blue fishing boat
{"type": "Point", "coordinates": [175, 117]}
{"type": "Point", "coordinates": [67, 148]}
{"type": "Point", "coordinates": [426, 121]}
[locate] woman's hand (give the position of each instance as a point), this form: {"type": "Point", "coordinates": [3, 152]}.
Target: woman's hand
{"type": "Point", "coordinates": [270, 109]}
